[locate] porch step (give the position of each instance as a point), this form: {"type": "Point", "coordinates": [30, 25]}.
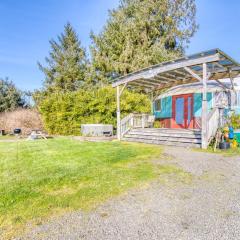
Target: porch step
{"type": "Point", "coordinates": [165, 138]}
{"type": "Point", "coordinates": [174, 137]}
{"type": "Point", "coordinates": [158, 142]}
{"type": "Point", "coordinates": [167, 130]}
{"type": "Point", "coordinates": [164, 134]}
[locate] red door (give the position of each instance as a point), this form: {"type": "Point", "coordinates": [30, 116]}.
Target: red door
{"type": "Point", "coordinates": [182, 108]}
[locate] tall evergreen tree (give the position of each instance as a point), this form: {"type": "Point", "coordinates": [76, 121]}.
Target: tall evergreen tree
{"type": "Point", "coordinates": [140, 33]}
{"type": "Point", "coordinates": [66, 64]}
{"type": "Point", "coordinates": [10, 96]}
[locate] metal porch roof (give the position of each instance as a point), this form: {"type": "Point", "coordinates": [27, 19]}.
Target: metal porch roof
{"type": "Point", "coordinates": [172, 73]}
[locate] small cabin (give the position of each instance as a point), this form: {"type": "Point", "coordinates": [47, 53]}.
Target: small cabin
{"type": "Point", "coordinates": [203, 89]}
{"type": "Point", "coordinates": [181, 106]}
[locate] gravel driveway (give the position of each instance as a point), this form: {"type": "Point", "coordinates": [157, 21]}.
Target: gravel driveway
{"type": "Point", "coordinates": [207, 208]}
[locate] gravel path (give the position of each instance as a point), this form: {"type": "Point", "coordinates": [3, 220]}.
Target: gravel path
{"type": "Point", "coordinates": [208, 208]}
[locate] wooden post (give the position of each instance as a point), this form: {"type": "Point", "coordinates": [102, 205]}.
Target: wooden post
{"type": "Point", "coordinates": [132, 120]}
{"type": "Point", "coordinates": [152, 108]}
{"type": "Point", "coordinates": [204, 108]}
{"type": "Point", "coordinates": [118, 114]}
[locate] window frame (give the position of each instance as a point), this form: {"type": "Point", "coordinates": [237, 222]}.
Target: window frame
{"type": "Point", "coordinates": [158, 105]}
{"type": "Point", "coordinates": [238, 99]}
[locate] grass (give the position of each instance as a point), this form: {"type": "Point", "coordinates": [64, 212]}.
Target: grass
{"type": "Point", "coordinates": [8, 137]}
{"type": "Point", "coordinates": [41, 179]}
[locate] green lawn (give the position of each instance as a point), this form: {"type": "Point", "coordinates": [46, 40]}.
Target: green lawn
{"type": "Point", "coordinates": [8, 137]}
{"type": "Point", "coordinates": [45, 178]}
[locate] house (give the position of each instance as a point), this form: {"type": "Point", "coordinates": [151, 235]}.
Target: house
{"type": "Point", "coordinates": [181, 106]}
{"type": "Point", "coordinates": [197, 92]}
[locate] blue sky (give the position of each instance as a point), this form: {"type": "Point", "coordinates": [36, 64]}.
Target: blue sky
{"type": "Point", "coordinates": [26, 26]}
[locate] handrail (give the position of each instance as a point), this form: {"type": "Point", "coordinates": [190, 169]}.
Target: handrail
{"type": "Point", "coordinates": [126, 124]}
{"type": "Point", "coordinates": [133, 120]}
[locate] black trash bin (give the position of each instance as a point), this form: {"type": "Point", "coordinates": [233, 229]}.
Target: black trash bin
{"type": "Point", "coordinates": [17, 131]}
{"type": "Point", "coordinates": [224, 145]}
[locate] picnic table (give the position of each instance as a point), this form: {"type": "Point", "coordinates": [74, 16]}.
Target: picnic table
{"type": "Point", "coordinates": [37, 134]}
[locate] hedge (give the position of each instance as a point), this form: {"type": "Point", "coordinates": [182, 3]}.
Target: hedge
{"type": "Point", "coordinates": [63, 113]}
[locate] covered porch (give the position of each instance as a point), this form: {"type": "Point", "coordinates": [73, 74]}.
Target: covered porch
{"type": "Point", "coordinates": [202, 67]}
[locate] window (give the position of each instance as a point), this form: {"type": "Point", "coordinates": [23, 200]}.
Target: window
{"type": "Point", "coordinates": [158, 105]}
{"type": "Point", "coordinates": [238, 99]}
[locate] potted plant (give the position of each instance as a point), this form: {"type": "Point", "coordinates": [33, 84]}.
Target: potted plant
{"type": "Point", "coordinates": [226, 133]}
{"type": "Point", "coordinates": [224, 143]}
{"type": "Point", "coordinates": [234, 142]}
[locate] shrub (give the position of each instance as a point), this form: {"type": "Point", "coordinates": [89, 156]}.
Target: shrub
{"type": "Point", "coordinates": [235, 121]}
{"type": "Point", "coordinates": [64, 113]}
{"type": "Point", "coordinates": [157, 124]}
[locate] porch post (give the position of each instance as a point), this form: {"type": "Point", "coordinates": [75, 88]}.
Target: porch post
{"type": "Point", "coordinates": [152, 109]}
{"type": "Point", "coordinates": [204, 108]}
{"type": "Point", "coordinates": [118, 114]}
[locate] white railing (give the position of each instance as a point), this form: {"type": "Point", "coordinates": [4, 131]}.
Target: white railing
{"type": "Point", "coordinates": [136, 121]}
{"type": "Point", "coordinates": [126, 124]}
{"type": "Point", "coordinates": [213, 123]}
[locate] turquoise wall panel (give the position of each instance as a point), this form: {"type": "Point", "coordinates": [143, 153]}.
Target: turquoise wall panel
{"type": "Point", "coordinates": [197, 103]}
{"type": "Point", "coordinates": [166, 108]}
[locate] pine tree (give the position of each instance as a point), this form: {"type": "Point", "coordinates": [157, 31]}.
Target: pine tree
{"type": "Point", "coordinates": [10, 96]}
{"type": "Point", "coordinates": [66, 64]}
{"type": "Point", "coordinates": [140, 33]}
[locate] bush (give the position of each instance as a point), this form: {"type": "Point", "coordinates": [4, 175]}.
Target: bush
{"type": "Point", "coordinates": [235, 121]}
{"type": "Point", "coordinates": [26, 119]}
{"type": "Point", "coordinates": [157, 124]}
{"type": "Point", "coordinates": [64, 113]}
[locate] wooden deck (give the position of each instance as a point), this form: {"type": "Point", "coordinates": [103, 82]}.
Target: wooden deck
{"type": "Point", "coordinates": [165, 136]}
